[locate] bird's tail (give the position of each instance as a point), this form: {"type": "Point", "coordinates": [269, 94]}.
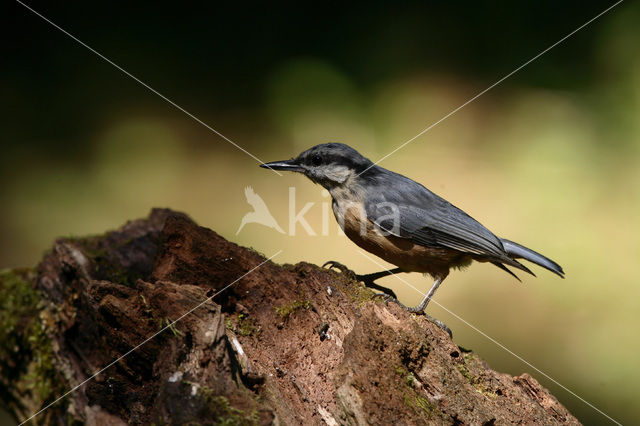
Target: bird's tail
{"type": "Point", "coordinates": [521, 252]}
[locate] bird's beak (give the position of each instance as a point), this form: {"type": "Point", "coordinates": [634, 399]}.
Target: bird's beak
{"type": "Point", "coordinates": [286, 165]}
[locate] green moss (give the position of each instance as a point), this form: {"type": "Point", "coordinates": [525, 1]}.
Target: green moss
{"type": "Point", "coordinates": [27, 370]}
{"type": "Point", "coordinates": [419, 403]}
{"type": "Point", "coordinates": [246, 326]}
{"type": "Point", "coordinates": [171, 325]}
{"type": "Point", "coordinates": [242, 324]}
{"type": "Point", "coordinates": [148, 310]}
{"type": "Point", "coordinates": [407, 376]}
{"type": "Point", "coordinates": [481, 388]}
{"type": "Point", "coordinates": [224, 413]}
{"type": "Point", "coordinates": [468, 358]}
{"type": "Point", "coordinates": [356, 291]}
{"type": "Point", "coordinates": [411, 397]}
{"type": "Point", "coordinates": [285, 311]}
{"type": "Point", "coordinates": [229, 324]}
{"type": "Point", "coordinates": [42, 378]}
{"type": "Point", "coordinates": [360, 294]}
{"type": "Point", "coordinates": [18, 318]}
{"type": "Point", "coordinates": [462, 368]}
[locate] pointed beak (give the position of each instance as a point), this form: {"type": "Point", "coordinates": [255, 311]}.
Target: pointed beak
{"type": "Point", "coordinates": [286, 165]}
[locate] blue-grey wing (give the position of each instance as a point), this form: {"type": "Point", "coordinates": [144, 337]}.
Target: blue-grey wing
{"type": "Point", "coordinates": [412, 211]}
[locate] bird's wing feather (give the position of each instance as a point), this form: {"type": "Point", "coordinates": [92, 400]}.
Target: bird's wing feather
{"type": "Point", "coordinates": [428, 219]}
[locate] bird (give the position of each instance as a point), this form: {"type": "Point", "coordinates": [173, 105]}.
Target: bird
{"type": "Point", "coordinates": [260, 213]}
{"type": "Point", "coordinates": [403, 222]}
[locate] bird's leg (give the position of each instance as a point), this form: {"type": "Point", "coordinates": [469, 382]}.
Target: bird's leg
{"type": "Point", "coordinates": [421, 307]}
{"type": "Point", "coordinates": [388, 294]}
{"type": "Point", "coordinates": [367, 279]}
{"type": "Point", "coordinates": [376, 275]}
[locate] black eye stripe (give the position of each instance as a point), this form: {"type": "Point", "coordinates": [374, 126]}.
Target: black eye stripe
{"type": "Point", "coordinates": [317, 159]}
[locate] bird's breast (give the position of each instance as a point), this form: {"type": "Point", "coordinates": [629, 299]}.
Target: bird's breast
{"type": "Point", "coordinates": [402, 252]}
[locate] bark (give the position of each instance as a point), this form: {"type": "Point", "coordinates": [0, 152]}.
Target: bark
{"type": "Point", "coordinates": [283, 344]}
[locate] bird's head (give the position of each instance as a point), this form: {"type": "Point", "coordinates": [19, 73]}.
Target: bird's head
{"type": "Point", "coordinates": [329, 164]}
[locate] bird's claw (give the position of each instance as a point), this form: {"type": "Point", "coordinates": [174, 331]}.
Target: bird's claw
{"type": "Point", "coordinates": [366, 279]}
{"type": "Point", "coordinates": [385, 292]}
{"type": "Point", "coordinates": [332, 264]}
{"type": "Point", "coordinates": [418, 311]}
{"type": "Point", "coordinates": [386, 298]}
{"type": "Point", "coordinates": [439, 324]}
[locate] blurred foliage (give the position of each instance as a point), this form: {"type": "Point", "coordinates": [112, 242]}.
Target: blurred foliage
{"type": "Point", "coordinates": [549, 158]}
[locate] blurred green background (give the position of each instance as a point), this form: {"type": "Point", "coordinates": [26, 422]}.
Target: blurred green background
{"type": "Point", "coordinates": [549, 158]}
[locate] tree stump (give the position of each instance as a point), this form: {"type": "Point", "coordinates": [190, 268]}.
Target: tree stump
{"type": "Point", "coordinates": [290, 344]}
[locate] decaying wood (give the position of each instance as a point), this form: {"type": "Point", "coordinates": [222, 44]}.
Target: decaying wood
{"type": "Point", "coordinates": [292, 344]}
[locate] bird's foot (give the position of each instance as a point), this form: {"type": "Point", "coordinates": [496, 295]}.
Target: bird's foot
{"type": "Point", "coordinates": [385, 292]}
{"type": "Point", "coordinates": [332, 264]}
{"type": "Point", "coordinates": [368, 279]}
{"type": "Point", "coordinates": [416, 310]}
{"type": "Point", "coordinates": [386, 298]}
{"type": "Point", "coordinates": [439, 323]}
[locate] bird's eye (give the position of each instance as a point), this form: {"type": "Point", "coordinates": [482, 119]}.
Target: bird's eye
{"type": "Point", "coordinates": [316, 160]}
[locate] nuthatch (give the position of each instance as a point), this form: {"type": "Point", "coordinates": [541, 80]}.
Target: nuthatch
{"type": "Point", "coordinates": [402, 222]}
